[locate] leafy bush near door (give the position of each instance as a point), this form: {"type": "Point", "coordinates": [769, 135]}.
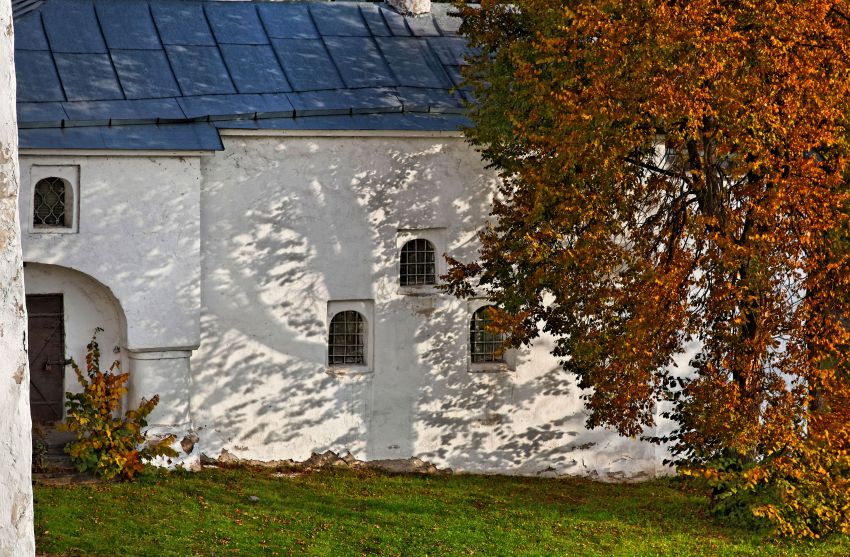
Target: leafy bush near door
{"type": "Point", "coordinates": [108, 444]}
{"type": "Point", "coordinates": [39, 448]}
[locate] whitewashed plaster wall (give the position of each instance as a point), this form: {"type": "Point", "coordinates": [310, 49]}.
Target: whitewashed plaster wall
{"type": "Point", "coordinates": [87, 305]}
{"type": "Point", "coordinates": [138, 235]}
{"type": "Point", "coordinates": [16, 502]}
{"type": "Point", "coordinates": [281, 227]}
{"type": "Point", "coordinates": [290, 224]}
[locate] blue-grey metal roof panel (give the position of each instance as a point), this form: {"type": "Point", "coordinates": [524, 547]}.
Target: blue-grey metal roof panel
{"type": "Point", "coordinates": [374, 20]}
{"type": "Point", "coordinates": [41, 114]}
{"type": "Point", "coordinates": [417, 99]}
{"type": "Point", "coordinates": [340, 19]}
{"type": "Point", "coordinates": [137, 111]}
{"type": "Point", "coordinates": [235, 23]}
{"type": "Point", "coordinates": [359, 62]}
{"type": "Point", "coordinates": [456, 76]}
{"type": "Point", "coordinates": [36, 77]}
{"type": "Point", "coordinates": [222, 106]}
{"type": "Point", "coordinates": [395, 22]}
{"type": "Point", "coordinates": [87, 77]}
{"type": "Point", "coordinates": [446, 22]}
{"type": "Point", "coordinates": [307, 64]}
{"type": "Point", "coordinates": [127, 24]}
{"type": "Point", "coordinates": [199, 70]}
{"type": "Point", "coordinates": [29, 33]}
{"type": "Point", "coordinates": [451, 51]}
{"type": "Point", "coordinates": [283, 20]}
{"type": "Point", "coordinates": [413, 62]}
{"type": "Point", "coordinates": [22, 7]}
{"type": "Point", "coordinates": [254, 68]}
{"type": "Point", "coordinates": [422, 26]}
{"type": "Point", "coordinates": [72, 26]}
{"type": "Point", "coordinates": [388, 121]}
{"type": "Point", "coordinates": [182, 23]}
{"type": "Point", "coordinates": [324, 59]}
{"type": "Point", "coordinates": [144, 74]}
{"type": "Point", "coordinates": [346, 101]}
{"type": "Point", "coordinates": [439, 122]}
{"type": "Point", "coordinates": [165, 137]}
{"type": "Point", "coordinates": [60, 138]}
{"type": "Point", "coordinates": [276, 105]}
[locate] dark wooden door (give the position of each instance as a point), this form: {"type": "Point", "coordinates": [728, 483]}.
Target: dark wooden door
{"type": "Point", "coordinates": [46, 357]}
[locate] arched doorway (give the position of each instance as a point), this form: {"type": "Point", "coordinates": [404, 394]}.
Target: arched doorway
{"type": "Point", "coordinates": [65, 307]}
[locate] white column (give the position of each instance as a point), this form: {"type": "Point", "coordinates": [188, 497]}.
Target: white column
{"type": "Point", "coordinates": [16, 507]}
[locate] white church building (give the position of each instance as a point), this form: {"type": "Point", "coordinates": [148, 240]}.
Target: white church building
{"type": "Point", "coordinates": [253, 200]}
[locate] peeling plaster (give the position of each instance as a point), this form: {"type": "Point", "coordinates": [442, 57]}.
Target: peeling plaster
{"type": "Point", "coordinates": [20, 374]}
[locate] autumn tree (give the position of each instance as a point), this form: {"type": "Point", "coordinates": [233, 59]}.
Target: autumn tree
{"type": "Point", "coordinates": [675, 175]}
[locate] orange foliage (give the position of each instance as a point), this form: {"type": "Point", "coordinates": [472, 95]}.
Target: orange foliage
{"type": "Point", "coordinates": [675, 174]}
{"type": "Point", "coordinates": [107, 444]}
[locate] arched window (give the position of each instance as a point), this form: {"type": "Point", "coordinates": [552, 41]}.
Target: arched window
{"type": "Point", "coordinates": [418, 265]}
{"type": "Point", "coordinates": [51, 203]}
{"type": "Point", "coordinates": [347, 339]}
{"type": "Point", "coordinates": [484, 346]}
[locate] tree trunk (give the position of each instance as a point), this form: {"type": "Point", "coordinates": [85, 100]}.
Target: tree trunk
{"type": "Point", "coordinates": [16, 504]}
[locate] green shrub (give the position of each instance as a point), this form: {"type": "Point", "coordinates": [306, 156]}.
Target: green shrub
{"type": "Point", "coordinates": [107, 444]}
{"type": "Point", "coordinates": [39, 448]}
{"type": "Point", "coordinates": [802, 492]}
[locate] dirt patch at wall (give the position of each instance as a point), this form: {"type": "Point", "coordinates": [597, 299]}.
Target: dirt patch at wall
{"type": "Point", "coordinates": [329, 459]}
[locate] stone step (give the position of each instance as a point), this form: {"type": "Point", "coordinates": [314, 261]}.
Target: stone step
{"type": "Point", "coordinates": [55, 464]}
{"type": "Point", "coordinates": [58, 462]}
{"type": "Point", "coordinates": [54, 441]}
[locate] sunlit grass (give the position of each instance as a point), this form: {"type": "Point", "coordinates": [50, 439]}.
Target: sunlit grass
{"type": "Point", "coordinates": [366, 513]}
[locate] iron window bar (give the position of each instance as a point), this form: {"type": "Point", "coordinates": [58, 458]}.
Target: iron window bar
{"type": "Point", "coordinates": [485, 346]}
{"type": "Point", "coordinates": [49, 202]}
{"type": "Point", "coordinates": [418, 264]}
{"type": "Point", "coordinates": [346, 342]}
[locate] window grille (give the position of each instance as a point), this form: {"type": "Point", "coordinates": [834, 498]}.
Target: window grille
{"type": "Point", "coordinates": [49, 202]}
{"type": "Point", "coordinates": [347, 339]}
{"type": "Point", "coordinates": [417, 263]}
{"type": "Point", "coordinates": [485, 346]}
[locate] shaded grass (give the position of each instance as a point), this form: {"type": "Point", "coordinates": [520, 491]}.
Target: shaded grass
{"type": "Point", "coordinates": [343, 512]}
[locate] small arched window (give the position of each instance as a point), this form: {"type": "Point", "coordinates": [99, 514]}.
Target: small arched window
{"type": "Point", "coordinates": [52, 203]}
{"type": "Point", "coordinates": [484, 345]}
{"type": "Point", "coordinates": [347, 339]}
{"type": "Point", "coordinates": [418, 263]}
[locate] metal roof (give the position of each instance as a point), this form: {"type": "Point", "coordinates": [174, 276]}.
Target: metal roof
{"type": "Point", "coordinates": [20, 7]}
{"type": "Point", "coordinates": [145, 74]}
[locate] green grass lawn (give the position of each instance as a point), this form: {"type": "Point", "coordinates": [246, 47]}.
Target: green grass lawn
{"type": "Point", "coordinates": [367, 513]}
